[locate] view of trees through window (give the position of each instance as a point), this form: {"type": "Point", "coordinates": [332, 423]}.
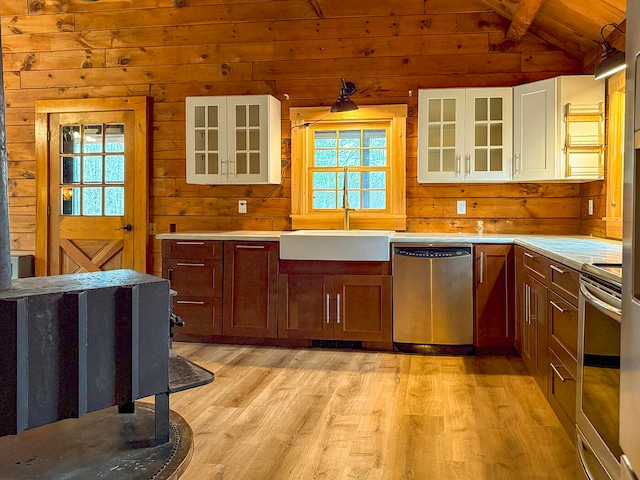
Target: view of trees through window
{"type": "Point", "coordinates": [92, 170]}
{"type": "Point", "coordinates": [364, 152]}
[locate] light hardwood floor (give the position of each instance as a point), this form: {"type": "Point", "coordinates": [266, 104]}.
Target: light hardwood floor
{"type": "Point", "coordinates": [275, 413]}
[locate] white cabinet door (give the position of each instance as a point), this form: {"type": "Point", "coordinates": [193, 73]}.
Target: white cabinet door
{"type": "Point", "coordinates": [441, 135]}
{"type": "Point", "coordinates": [233, 140]}
{"type": "Point", "coordinates": [489, 130]}
{"type": "Point", "coordinates": [464, 135]}
{"type": "Point", "coordinates": [206, 140]}
{"type": "Point", "coordinates": [535, 149]}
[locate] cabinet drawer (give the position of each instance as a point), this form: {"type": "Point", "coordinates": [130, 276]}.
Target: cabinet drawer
{"type": "Point", "coordinates": [198, 249]}
{"type": "Point", "coordinates": [563, 329]}
{"type": "Point", "coordinates": [562, 393]}
{"type": "Point", "coordinates": [201, 315]}
{"type": "Point", "coordinates": [535, 264]}
{"type": "Point", "coordinates": [191, 277]}
{"type": "Point", "coordinates": [565, 281]}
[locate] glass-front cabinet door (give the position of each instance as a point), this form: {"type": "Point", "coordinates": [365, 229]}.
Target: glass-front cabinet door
{"type": "Point", "coordinates": [233, 139]}
{"type": "Point", "coordinates": [441, 135]}
{"type": "Point", "coordinates": [489, 129]}
{"type": "Point", "coordinates": [464, 135]}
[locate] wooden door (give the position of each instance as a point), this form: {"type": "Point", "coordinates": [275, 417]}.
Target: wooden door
{"type": "Point", "coordinates": [363, 308]}
{"type": "Point", "coordinates": [92, 164]}
{"type": "Point", "coordinates": [494, 297]}
{"type": "Point", "coordinates": [250, 289]}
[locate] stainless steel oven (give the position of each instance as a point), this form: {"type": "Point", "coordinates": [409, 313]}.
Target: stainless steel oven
{"type": "Point", "coordinates": [598, 396]}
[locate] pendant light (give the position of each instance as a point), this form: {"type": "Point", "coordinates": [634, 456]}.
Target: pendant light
{"type": "Point", "coordinates": [344, 103]}
{"type": "Point", "coordinates": [611, 60]}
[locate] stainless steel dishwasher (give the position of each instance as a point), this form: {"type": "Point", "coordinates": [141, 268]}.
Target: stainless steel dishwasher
{"type": "Point", "coordinates": [433, 294]}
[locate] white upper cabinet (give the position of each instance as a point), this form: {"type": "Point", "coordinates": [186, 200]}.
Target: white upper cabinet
{"type": "Point", "coordinates": [233, 139]}
{"type": "Point", "coordinates": [558, 129]}
{"type": "Point", "coordinates": [464, 135]}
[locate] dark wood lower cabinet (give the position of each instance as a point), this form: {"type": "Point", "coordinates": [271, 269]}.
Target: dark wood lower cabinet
{"type": "Point", "coordinates": [250, 289]}
{"type": "Point", "coordinates": [316, 305]}
{"type": "Point", "coordinates": [494, 307]}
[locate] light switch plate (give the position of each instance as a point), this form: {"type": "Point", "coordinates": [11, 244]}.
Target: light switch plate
{"type": "Point", "coordinates": [462, 207]}
{"type": "Point", "coordinates": [242, 206]}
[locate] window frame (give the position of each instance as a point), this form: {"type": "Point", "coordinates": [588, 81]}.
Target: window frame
{"type": "Point", "coordinates": [391, 117]}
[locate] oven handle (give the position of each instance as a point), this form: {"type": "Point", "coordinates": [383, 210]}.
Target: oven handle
{"type": "Point", "coordinates": [600, 304]}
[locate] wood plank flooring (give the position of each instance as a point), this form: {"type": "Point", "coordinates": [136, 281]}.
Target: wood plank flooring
{"type": "Point", "coordinates": [276, 413]}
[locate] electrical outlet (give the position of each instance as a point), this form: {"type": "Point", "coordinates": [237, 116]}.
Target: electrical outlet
{"type": "Point", "coordinates": [462, 207]}
{"type": "Point", "coordinates": [590, 207]}
{"type": "Point", "coordinates": [242, 206]}
{"type": "Point", "coordinates": [152, 229]}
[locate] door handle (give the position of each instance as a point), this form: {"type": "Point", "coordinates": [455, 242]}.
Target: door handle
{"type": "Point", "coordinates": [338, 307]}
{"type": "Point", "coordinates": [126, 227]}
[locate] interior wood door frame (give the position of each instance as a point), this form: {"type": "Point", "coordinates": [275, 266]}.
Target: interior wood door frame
{"type": "Point", "coordinates": [141, 107]}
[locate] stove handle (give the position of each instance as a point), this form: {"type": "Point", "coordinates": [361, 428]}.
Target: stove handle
{"type": "Point", "coordinates": [598, 304]}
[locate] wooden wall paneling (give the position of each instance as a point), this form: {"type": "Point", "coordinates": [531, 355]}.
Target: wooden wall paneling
{"type": "Point", "coordinates": [496, 207]}
{"type": "Point", "coordinates": [21, 151]}
{"type": "Point", "coordinates": [57, 6]}
{"type": "Point", "coordinates": [48, 42]}
{"type": "Point", "coordinates": [26, 98]}
{"type": "Point", "coordinates": [83, 77]}
{"type": "Point", "coordinates": [394, 66]}
{"type": "Point", "coordinates": [527, 226]}
{"type": "Point", "coordinates": [29, 24]}
{"type": "Point", "coordinates": [34, 61]}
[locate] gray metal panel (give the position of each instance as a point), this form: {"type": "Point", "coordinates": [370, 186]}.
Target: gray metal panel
{"type": "Point", "coordinates": [433, 300]}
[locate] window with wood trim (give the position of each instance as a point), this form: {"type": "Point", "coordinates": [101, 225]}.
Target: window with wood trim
{"type": "Point", "coordinates": [371, 143]}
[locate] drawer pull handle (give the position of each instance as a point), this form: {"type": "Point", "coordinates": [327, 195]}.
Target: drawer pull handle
{"type": "Point", "coordinates": [248, 247]}
{"type": "Point", "coordinates": [189, 302]}
{"type": "Point", "coordinates": [189, 243]}
{"type": "Point", "coordinates": [528, 255]}
{"type": "Point", "coordinates": [190, 264]}
{"type": "Point", "coordinates": [559, 270]}
{"type": "Point", "coordinates": [558, 307]}
{"type": "Point", "coordinates": [557, 372]}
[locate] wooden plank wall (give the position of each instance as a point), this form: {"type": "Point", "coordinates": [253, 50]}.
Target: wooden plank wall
{"type": "Point", "coordinates": [169, 49]}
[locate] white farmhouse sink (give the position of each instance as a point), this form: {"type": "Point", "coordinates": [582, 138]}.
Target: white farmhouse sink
{"type": "Point", "coordinates": [342, 245]}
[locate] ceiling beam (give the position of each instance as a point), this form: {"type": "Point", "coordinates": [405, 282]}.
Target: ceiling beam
{"type": "Point", "coordinates": [522, 19]}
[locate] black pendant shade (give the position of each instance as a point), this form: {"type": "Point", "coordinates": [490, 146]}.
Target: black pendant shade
{"type": "Point", "coordinates": [344, 103]}
{"type": "Point", "coordinates": [611, 60]}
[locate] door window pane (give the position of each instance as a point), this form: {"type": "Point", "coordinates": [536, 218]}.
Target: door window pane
{"type": "Point", "coordinates": [92, 169]}
{"type": "Point", "coordinates": [70, 170]}
{"type": "Point", "coordinates": [114, 201]}
{"type": "Point", "coordinates": [70, 201]}
{"type": "Point", "coordinates": [114, 169]}
{"type": "Point", "coordinates": [96, 169]}
{"type": "Point", "coordinates": [70, 139]}
{"type": "Point", "coordinates": [114, 138]}
{"type": "Point", "coordinates": [92, 201]}
{"type": "Point", "coordinates": [92, 139]}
